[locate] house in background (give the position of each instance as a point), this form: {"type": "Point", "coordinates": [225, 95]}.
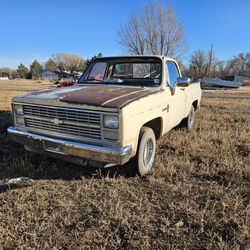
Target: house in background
{"type": "Point", "coordinates": [56, 76]}
{"type": "Point", "coordinates": [51, 75]}
{"type": "Point", "coordinates": [238, 78]}
{"type": "Point", "coordinates": [4, 78]}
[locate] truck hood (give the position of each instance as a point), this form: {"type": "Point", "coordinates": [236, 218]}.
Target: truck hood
{"type": "Point", "coordinates": [110, 96]}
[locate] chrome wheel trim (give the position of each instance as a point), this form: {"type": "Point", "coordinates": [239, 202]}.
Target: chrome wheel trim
{"type": "Point", "coordinates": [148, 154]}
{"type": "Point", "coordinates": [191, 118]}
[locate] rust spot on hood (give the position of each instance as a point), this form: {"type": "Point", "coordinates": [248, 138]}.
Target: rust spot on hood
{"type": "Point", "coordinates": [105, 95]}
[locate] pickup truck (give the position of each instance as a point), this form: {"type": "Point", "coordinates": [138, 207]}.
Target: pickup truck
{"type": "Point", "coordinates": [115, 112]}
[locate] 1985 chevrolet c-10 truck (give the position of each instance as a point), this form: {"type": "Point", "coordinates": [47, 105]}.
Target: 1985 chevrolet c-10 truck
{"type": "Point", "coordinates": [117, 110]}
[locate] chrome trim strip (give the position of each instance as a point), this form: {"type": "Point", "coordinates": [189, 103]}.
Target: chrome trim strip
{"type": "Point", "coordinates": [64, 108]}
{"type": "Point", "coordinates": [110, 155]}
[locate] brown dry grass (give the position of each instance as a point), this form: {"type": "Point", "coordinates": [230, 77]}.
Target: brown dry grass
{"type": "Point", "coordinates": [25, 85]}
{"type": "Point", "coordinates": [246, 83]}
{"type": "Point", "coordinates": [198, 196]}
{"type": "Point", "coordinates": [11, 88]}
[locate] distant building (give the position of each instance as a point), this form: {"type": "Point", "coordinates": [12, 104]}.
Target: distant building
{"type": "Point", "coordinates": [55, 75]}
{"type": "Point", "coordinates": [4, 78]}
{"type": "Point", "coordinates": [238, 78]}
{"type": "Point", "coordinates": [50, 75]}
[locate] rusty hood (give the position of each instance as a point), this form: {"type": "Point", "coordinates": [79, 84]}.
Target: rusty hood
{"type": "Point", "coordinates": [111, 96]}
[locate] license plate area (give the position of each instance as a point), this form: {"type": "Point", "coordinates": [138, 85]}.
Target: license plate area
{"type": "Point", "coordinates": [53, 147]}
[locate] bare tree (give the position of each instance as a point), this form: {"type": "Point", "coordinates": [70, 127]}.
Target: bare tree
{"type": "Point", "coordinates": [155, 30]}
{"type": "Point", "coordinates": [73, 62]}
{"type": "Point", "coordinates": [7, 72]}
{"type": "Point", "coordinates": [242, 64]}
{"type": "Point", "coordinates": [199, 64]}
{"type": "Point", "coordinates": [131, 36]}
{"type": "Point", "coordinates": [58, 58]}
{"type": "Point", "coordinates": [226, 68]}
{"type": "Point", "coordinates": [68, 62]}
{"type": "Point", "coordinates": [247, 56]}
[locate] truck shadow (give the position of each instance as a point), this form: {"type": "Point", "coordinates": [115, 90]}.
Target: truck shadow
{"type": "Point", "coordinates": [15, 162]}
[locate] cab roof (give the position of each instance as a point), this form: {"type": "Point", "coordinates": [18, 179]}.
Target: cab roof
{"type": "Point", "coordinates": [135, 56]}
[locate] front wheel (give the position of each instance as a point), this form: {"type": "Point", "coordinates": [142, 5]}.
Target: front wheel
{"type": "Point", "coordinates": [188, 122]}
{"type": "Point", "coordinates": [144, 158]}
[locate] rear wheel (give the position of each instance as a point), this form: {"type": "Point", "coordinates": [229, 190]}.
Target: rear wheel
{"type": "Point", "coordinates": [144, 158]}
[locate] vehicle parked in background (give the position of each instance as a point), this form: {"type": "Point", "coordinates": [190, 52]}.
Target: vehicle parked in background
{"type": "Point", "coordinates": [219, 83]}
{"type": "Point", "coordinates": [117, 110]}
{"type": "Point", "coordinates": [68, 81]}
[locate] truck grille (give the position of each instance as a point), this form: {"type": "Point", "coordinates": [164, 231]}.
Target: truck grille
{"type": "Point", "coordinates": [83, 123]}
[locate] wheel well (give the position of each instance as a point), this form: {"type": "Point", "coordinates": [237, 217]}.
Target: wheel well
{"type": "Point", "coordinates": [156, 125]}
{"type": "Point", "coordinates": [195, 104]}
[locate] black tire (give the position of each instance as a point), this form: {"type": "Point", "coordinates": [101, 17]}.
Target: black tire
{"type": "Point", "coordinates": [144, 158]}
{"type": "Point", "coordinates": [188, 122]}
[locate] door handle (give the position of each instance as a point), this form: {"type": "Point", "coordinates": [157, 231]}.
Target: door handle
{"type": "Point", "coordinates": [166, 108]}
{"type": "Point", "coordinates": [182, 88]}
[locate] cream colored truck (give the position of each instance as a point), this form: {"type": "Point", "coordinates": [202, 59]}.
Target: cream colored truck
{"type": "Point", "coordinates": [117, 110]}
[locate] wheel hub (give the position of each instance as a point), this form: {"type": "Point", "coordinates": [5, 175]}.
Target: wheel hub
{"type": "Point", "coordinates": [148, 155]}
{"type": "Point", "coordinates": [191, 118]}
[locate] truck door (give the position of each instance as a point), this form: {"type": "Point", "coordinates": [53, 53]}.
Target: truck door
{"type": "Point", "coordinates": [175, 96]}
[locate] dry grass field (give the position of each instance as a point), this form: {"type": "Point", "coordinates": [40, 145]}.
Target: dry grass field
{"type": "Point", "coordinates": [10, 88]}
{"type": "Point", "coordinates": [198, 196]}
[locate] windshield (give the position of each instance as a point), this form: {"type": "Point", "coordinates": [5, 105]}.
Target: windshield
{"type": "Point", "coordinates": [140, 72]}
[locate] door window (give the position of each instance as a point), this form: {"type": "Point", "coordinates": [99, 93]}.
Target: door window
{"type": "Point", "coordinates": [173, 73]}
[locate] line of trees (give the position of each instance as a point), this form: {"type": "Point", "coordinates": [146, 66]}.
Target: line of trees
{"type": "Point", "coordinates": [155, 29]}
{"type": "Point", "coordinates": [60, 62]}
{"type": "Point", "coordinates": [23, 72]}
{"type": "Point", "coordinates": [200, 66]}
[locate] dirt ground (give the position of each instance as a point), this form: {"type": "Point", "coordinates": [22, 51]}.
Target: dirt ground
{"type": "Point", "coordinates": [198, 196]}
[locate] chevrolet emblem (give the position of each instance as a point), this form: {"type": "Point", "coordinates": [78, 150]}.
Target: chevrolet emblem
{"type": "Point", "coordinates": [56, 121]}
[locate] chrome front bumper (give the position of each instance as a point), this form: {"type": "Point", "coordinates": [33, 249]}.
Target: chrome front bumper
{"type": "Point", "coordinates": [43, 144]}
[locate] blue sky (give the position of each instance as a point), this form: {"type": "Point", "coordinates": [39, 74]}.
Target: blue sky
{"type": "Point", "coordinates": [37, 29]}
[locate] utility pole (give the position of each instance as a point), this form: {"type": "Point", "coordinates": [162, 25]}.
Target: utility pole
{"type": "Point", "coordinates": [210, 61]}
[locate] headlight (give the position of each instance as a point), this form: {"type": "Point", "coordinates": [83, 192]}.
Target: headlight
{"type": "Point", "coordinates": [18, 109]}
{"type": "Point", "coordinates": [111, 121]}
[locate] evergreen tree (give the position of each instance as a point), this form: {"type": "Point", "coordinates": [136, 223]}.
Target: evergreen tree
{"type": "Point", "coordinates": [89, 61]}
{"type": "Point", "coordinates": [22, 71]}
{"type": "Point", "coordinates": [35, 70]}
{"type": "Point", "coordinates": [50, 65]}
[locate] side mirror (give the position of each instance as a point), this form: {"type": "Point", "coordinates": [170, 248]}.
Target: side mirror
{"type": "Point", "coordinates": [183, 81]}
